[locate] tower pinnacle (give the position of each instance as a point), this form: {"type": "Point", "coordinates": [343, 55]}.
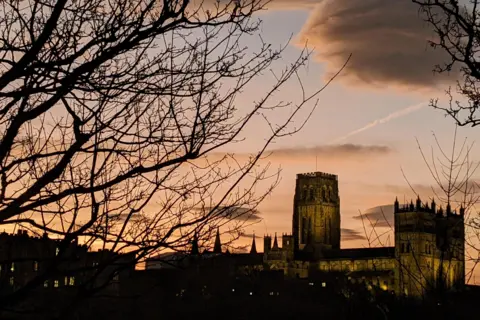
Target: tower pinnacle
{"type": "Point", "coordinates": [275, 242]}
{"type": "Point", "coordinates": [218, 244]}
{"type": "Point", "coordinates": [253, 249]}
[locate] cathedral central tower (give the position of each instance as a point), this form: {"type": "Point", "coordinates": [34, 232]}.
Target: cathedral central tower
{"type": "Point", "coordinates": [316, 212]}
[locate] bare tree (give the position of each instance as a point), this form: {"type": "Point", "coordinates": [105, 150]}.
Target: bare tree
{"type": "Point", "coordinates": [455, 192]}
{"type": "Point", "coordinates": [453, 196]}
{"type": "Point", "coordinates": [457, 27]}
{"type": "Point", "coordinates": [115, 117]}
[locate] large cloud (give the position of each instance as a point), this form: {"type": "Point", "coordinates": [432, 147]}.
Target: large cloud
{"type": "Point", "coordinates": [387, 40]}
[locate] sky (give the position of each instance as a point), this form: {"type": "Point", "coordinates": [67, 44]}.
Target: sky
{"type": "Point", "coordinates": [368, 119]}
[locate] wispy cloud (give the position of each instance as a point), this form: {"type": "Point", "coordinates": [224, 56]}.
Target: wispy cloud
{"type": "Point", "coordinates": [378, 217]}
{"type": "Point", "coordinates": [390, 117]}
{"type": "Point", "coordinates": [236, 213]}
{"type": "Point", "coordinates": [250, 236]}
{"type": "Point", "coordinates": [340, 152]}
{"type": "Point", "coordinates": [351, 235]}
{"type": "Point", "coordinates": [331, 150]}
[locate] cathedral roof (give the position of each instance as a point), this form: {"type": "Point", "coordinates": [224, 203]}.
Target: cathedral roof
{"type": "Point", "coordinates": [361, 253]}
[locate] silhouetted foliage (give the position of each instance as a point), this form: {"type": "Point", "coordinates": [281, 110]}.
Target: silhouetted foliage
{"type": "Point", "coordinates": [456, 25]}
{"type": "Point", "coordinates": [114, 121]}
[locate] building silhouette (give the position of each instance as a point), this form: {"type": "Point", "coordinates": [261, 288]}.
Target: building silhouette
{"type": "Point", "coordinates": [428, 253]}
{"type": "Point", "coordinates": [25, 258]}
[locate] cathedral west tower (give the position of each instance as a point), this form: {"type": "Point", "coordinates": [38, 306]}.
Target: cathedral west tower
{"type": "Point", "coordinates": [316, 216]}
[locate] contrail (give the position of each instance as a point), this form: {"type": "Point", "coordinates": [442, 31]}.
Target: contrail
{"type": "Point", "coordinates": [396, 114]}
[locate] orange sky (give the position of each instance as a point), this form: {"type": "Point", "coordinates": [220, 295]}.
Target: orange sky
{"type": "Point", "coordinates": [378, 107]}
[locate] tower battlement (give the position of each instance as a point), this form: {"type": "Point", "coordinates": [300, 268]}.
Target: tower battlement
{"type": "Point", "coordinates": [317, 174]}
{"type": "Point", "coordinates": [419, 206]}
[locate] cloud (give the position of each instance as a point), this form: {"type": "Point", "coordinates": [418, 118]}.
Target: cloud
{"type": "Point", "coordinates": [387, 40]}
{"type": "Point", "coordinates": [351, 234]}
{"type": "Point", "coordinates": [378, 217]}
{"type": "Point", "coordinates": [344, 152]}
{"type": "Point", "coordinates": [250, 236]}
{"type": "Point", "coordinates": [236, 213]}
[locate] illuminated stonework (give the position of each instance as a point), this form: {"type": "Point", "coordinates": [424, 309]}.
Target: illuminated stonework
{"type": "Point", "coordinates": [428, 251]}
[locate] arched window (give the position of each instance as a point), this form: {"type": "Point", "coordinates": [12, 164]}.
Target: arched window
{"type": "Point", "coordinates": [305, 194]}
{"type": "Point", "coordinates": [324, 193]}
{"type": "Point", "coordinates": [312, 194]}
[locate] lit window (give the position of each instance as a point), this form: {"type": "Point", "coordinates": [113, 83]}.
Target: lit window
{"type": "Point", "coordinates": [66, 280]}
{"type": "Point", "coordinates": [12, 280]}
{"type": "Point", "coordinates": [251, 293]}
{"type": "Point", "coordinates": [72, 281]}
{"type": "Point", "coordinates": [324, 284]}
{"type": "Point", "coordinates": [310, 284]}
{"type": "Point", "coordinates": [55, 284]}
{"type": "Point", "coordinates": [35, 266]}
{"type": "Point", "coordinates": [45, 284]}
{"type": "Point", "coordinates": [57, 251]}
{"type": "Point", "coordinates": [12, 268]}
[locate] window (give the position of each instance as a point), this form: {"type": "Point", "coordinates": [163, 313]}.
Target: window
{"type": "Point", "coordinates": [12, 267]}
{"type": "Point", "coordinates": [12, 281]}
{"type": "Point", "coordinates": [72, 281]}
{"type": "Point", "coordinates": [35, 265]}
{"type": "Point", "coordinates": [57, 251]}
{"type": "Point", "coordinates": [55, 284]}
{"type": "Point", "coordinates": [402, 248]}
{"type": "Point", "coordinates": [66, 280]}
{"type": "Point", "coordinates": [408, 247]}
{"type": "Point", "coordinates": [45, 284]}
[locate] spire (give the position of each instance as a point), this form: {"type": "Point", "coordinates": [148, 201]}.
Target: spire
{"type": "Point", "coordinates": [275, 242]}
{"type": "Point", "coordinates": [434, 209]}
{"type": "Point", "coordinates": [449, 209]}
{"type": "Point", "coordinates": [218, 244]}
{"type": "Point", "coordinates": [462, 210]}
{"type": "Point", "coordinates": [253, 249]}
{"type": "Point", "coordinates": [419, 203]}
{"type": "Point", "coordinates": [396, 206]}
{"type": "Point", "coordinates": [195, 245]}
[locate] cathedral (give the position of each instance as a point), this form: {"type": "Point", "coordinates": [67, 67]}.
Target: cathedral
{"type": "Point", "coordinates": [428, 254]}
{"type": "Point", "coordinates": [428, 251]}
